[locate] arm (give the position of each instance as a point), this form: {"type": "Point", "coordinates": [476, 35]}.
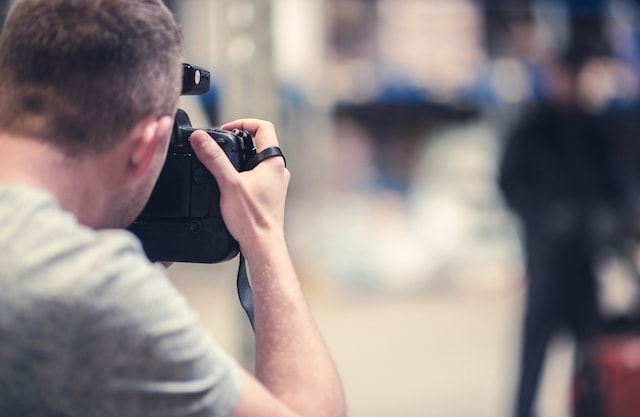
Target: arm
{"type": "Point", "coordinates": [295, 373]}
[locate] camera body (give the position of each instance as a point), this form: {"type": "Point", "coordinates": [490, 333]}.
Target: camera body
{"type": "Point", "coordinates": [182, 222]}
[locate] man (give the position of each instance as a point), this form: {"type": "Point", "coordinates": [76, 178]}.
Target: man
{"type": "Point", "coordinates": [88, 327]}
{"type": "Point", "coordinates": [560, 174]}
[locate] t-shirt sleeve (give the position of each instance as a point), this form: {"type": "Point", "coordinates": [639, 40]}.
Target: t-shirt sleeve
{"type": "Point", "coordinates": [138, 349]}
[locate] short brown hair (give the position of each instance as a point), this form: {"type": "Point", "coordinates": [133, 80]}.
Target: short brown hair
{"type": "Point", "coordinates": [81, 73]}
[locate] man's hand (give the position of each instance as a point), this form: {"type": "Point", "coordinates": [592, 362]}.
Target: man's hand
{"type": "Point", "coordinates": [252, 202]}
{"type": "Point", "coordinates": [295, 373]}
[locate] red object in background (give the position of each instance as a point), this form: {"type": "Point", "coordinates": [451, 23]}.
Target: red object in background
{"type": "Point", "coordinates": [617, 360]}
{"type": "Point", "coordinates": [608, 383]}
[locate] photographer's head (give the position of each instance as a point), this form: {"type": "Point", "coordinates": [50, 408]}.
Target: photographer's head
{"type": "Point", "coordinates": [82, 73]}
{"type": "Point", "coordinates": [84, 77]}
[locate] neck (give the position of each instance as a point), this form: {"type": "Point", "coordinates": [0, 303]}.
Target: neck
{"type": "Point", "coordinates": [76, 183]}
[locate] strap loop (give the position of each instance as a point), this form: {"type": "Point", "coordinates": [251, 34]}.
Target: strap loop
{"type": "Point", "coordinates": [244, 290]}
{"type": "Point", "coordinates": [262, 155]}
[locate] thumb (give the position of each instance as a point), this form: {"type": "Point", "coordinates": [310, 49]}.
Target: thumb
{"type": "Point", "coordinates": [212, 156]}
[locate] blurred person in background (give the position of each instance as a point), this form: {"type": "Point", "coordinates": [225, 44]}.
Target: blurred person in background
{"type": "Point", "coordinates": [556, 176]}
{"type": "Point", "coordinates": [559, 173]}
{"type": "Point", "coordinates": [88, 326]}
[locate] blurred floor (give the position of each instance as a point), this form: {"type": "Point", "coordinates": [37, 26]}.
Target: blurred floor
{"type": "Point", "coordinates": [442, 354]}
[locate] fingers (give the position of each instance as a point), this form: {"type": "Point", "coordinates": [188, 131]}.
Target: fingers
{"type": "Point", "coordinates": [263, 132]}
{"type": "Point", "coordinates": [212, 156]}
{"type": "Point", "coordinates": [251, 202]}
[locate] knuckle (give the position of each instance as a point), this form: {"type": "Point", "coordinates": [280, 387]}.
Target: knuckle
{"type": "Point", "coordinates": [268, 124]}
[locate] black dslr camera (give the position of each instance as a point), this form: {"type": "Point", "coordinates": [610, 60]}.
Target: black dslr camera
{"type": "Point", "coordinates": [181, 221]}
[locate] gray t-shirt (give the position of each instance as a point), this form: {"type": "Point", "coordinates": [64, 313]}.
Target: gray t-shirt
{"type": "Point", "coordinates": [89, 327]}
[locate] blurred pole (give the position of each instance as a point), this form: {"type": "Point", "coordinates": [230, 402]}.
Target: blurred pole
{"type": "Point", "coordinates": [232, 39]}
{"type": "Point", "coordinates": [249, 86]}
{"type": "Point", "coordinates": [299, 29]}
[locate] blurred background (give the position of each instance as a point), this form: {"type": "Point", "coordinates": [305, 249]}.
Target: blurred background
{"type": "Point", "coordinates": [395, 116]}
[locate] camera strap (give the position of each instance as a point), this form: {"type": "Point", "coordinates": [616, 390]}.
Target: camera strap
{"type": "Point", "coordinates": [269, 152]}
{"type": "Point", "coordinates": [244, 290]}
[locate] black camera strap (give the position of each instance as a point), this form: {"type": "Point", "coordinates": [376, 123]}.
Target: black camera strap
{"type": "Point", "coordinates": [269, 152]}
{"type": "Point", "coordinates": [244, 289]}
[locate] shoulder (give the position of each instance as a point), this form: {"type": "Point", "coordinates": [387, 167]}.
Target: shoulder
{"type": "Point", "coordinates": [49, 257]}
{"type": "Point", "coordinates": [138, 343]}
{"type": "Point", "coordinates": [38, 238]}
{"type": "Point", "coordinates": [113, 322]}
{"type": "Point", "coordinates": [57, 270]}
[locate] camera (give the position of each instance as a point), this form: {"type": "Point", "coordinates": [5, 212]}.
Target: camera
{"type": "Point", "coordinates": [182, 222]}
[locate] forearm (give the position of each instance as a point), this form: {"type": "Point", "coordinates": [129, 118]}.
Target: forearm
{"type": "Point", "coordinates": [293, 365]}
{"type": "Point", "coordinates": [292, 360]}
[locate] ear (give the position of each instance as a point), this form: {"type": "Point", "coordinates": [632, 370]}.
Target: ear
{"type": "Point", "coordinates": [148, 137]}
